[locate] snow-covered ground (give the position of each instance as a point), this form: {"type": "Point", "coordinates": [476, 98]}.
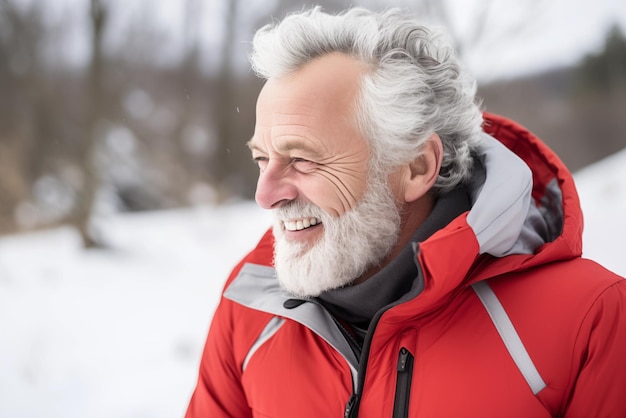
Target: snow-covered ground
{"type": "Point", "coordinates": [118, 333]}
{"type": "Point", "coordinates": [115, 333]}
{"type": "Point", "coordinates": [602, 190]}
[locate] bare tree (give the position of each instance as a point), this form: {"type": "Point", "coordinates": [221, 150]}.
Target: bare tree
{"type": "Point", "coordinates": [95, 93]}
{"type": "Point", "coordinates": [226, 107]}
{"type": "Point", "coordinates": [28, 122]}
{"type": "Point", "coordinates": [191, 96]}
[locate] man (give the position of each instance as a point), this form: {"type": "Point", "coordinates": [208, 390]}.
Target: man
{"type": "Point", "coordinates": [423, 261]}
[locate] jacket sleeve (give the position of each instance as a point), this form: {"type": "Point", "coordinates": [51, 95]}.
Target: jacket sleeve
{"type": "Point", "coordinates": [218, 393]}
{"type": "Point", "coordinates": [599, 390]}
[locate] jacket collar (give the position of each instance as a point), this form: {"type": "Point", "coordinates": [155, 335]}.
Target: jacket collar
{"type": "Point", "coordinates": [357, 304]}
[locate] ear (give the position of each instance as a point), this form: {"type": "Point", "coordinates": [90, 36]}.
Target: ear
{"type": "Point", "coordinates": [421, 173]}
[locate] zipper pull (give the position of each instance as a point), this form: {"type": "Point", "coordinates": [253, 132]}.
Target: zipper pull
{"type": "Point", "coordinates": [403, 359]}
{"type": "Point", "coordinates": [351, 407]}
{"type": "Point", "coordinates": [403, 384]}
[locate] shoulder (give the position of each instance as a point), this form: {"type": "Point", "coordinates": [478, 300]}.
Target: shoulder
{"type": "Point", "coordinates": [229, 311]}
{"type": "Point", "coordinates": [558, 297]}
{"type": "Point", "coordinates": [573, 280]}
{"type": "Point", "coordinates": [262, 254]}
{"type": "Point", "coordinates": [562, 311]}
{"type": "Point", "coordinates": [561, 302]}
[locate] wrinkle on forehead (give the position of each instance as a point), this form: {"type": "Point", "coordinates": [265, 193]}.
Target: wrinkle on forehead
{"type": "Point", "coordinates": [311, 114]}
{"type": "Point", "coordinates": [329, 83]}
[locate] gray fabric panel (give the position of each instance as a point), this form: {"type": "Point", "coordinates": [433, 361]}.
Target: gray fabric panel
{"type": "Point", "coordinates": [502, 202]}
{"type": "Point", "coordinates": [509, 336]}
{"type": "Point", "coordinates": [257, 288]}
{"type": "Point", "coordinates": [552, 209]}
{"type": "Point", "coordinates": [534, 233]}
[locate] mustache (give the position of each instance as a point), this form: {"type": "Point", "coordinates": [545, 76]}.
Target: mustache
{"type": "Point", "coordinates": [297, 209]}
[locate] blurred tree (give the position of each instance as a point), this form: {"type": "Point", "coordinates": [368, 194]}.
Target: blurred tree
{"type": "Point", "coordinates": [605, 72]}
{"type": "Point", "coordinates": [29, 111]}
{"type": "Point", "coordinates": [81, 216]}
{"type": "Point", "coordinates": [578, 111]}
{"type": "Point", "coordinates": [190, 93]}
{"type": "Point", "coordinates": [599, 96]}
{"type": "Point", "coordinates": [226, 117]}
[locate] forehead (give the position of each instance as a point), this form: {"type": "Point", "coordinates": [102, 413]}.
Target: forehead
{"type": "Point", "coordinates": [314, 105]}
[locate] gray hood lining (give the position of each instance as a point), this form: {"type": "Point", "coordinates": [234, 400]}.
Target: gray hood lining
{"type": "Point", "coordinates": [503, 215]}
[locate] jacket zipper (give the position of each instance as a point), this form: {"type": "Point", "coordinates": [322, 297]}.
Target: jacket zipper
{"type": "Point", "coordinates": [403, 384]}
{"type": "Point", "coordinates": [352, 406]}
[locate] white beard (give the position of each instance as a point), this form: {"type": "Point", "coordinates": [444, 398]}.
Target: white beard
{"type": "Point", "coordinates": [350, 244]}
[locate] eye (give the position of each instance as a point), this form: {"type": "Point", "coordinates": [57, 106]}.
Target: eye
{"type": "Point", "coordinates": [304, 166]}
{"type": "Point", "coordinates": [261, 161]}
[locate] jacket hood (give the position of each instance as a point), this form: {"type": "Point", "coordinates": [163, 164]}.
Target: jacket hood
{"type": "Point", "coordinates": [525, 210]}
{"type": "Point", "coordinates": [528, 203]}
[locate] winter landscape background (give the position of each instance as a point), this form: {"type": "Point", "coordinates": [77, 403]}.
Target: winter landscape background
{"type": "Point", "coordinates": [115, 112]}
{"type": "Point", "coordinates": [118, 332]}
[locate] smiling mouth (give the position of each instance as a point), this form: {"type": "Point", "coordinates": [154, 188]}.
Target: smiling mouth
{"type": "Point", "coordinates": [300, 224]}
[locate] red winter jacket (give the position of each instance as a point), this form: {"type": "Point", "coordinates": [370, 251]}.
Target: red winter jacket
{"type": "Point", "coordinates": [511, 321]}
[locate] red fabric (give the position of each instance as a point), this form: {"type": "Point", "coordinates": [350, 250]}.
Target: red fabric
{"type": "Point", "coordinates": [569, 312]}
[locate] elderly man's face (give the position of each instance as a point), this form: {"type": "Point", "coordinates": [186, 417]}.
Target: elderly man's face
{"type": "Point", "coordinates": [332, 220]}
{"type": "Point", "coordinates": [306, 141]}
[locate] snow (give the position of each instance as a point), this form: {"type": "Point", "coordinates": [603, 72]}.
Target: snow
{"type": "Point", "coordinates": [118, 333]}
{"type": "Point", "coordinates": [602, 191]}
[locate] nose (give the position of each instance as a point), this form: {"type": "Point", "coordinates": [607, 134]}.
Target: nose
{"type": "Point", "coordinates": [274, 187]}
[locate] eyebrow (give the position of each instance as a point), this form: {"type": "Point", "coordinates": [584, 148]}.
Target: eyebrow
{"type": "Point", "coordinates": [291, 144]}
{"type": "Point", "coordinates": [252, 146]}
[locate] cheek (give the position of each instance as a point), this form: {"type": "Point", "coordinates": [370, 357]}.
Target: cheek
{"type": "Point", "coordinates": [333, 193]}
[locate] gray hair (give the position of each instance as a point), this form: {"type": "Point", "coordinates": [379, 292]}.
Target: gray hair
{"type": "Point", "coordinates": [415, 86]}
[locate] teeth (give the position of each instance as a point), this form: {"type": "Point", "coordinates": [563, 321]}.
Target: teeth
{"type": "Point", "coordinates": [300, 224]}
